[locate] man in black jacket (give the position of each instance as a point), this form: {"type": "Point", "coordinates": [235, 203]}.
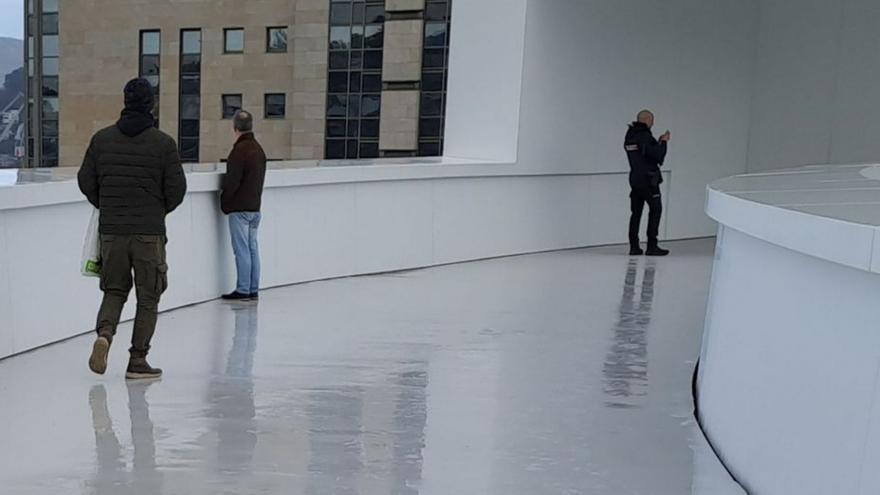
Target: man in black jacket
{"type": "Point", "coordinates": [646, 156]}
{"type": "Point", "coordinates": [132, 173]}
{"type": "Point", "coordinates": [241, 200]}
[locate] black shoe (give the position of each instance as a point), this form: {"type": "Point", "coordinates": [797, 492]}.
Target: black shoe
{"type": "Point", "coordinates": [139, 369]}
{"type": "Point", "coordinates": [636, 251]}
{"type": "Point", "coordinates": [236, 296]}
{"type": "Point", "coordinates": [255, 296]}
{"type": "Point", "coordinates": [657, 251]}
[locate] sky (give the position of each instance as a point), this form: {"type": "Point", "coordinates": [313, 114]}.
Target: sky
{"type": "Point", "coordinates": [12, 19]}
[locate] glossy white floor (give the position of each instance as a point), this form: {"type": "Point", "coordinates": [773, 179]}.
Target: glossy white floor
{"type": "Point", "coordinates": [557, 373]}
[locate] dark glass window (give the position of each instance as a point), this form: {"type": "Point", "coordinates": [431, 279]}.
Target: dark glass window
{"type": "Point", "coordinates": [150, 64]}
{"type": "Point", "coordinates": [354, 80]}
{"type": "Point", "coordinates": [231, 104]}
{"type": "Point", "coordinates": [275, 105]}
{"type": "Point", "coordinates": [276, 39]}
{"type": "Point", "coordinates": [50, 23]}
{"type": "Point", "coordinates": [50, 85]}
{"type": "Point", "coordinates": [50, 108]}
{"type": "Point", "coordinates": [435, 63]}
{"type": "Point", "coordinates": [233, 40]}
{"type": "Point", "coordinates": [190, 94]}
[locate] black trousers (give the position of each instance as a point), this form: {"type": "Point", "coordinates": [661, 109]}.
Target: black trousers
{"type": "Point", "coordinates": [638, 197]}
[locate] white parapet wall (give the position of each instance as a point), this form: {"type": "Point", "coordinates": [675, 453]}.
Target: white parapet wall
{"type": "Point", "coordinates": [788, 386]}
{"type": "Point", "coordinates": [320, 222]}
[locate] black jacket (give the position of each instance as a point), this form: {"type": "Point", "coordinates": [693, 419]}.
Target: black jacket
{"type": "Point", "coordinates": [245, 176]}
{"type": "Point", "coordinates": [132, 173]}
{"type": "Point", "coordinates": [646, 156]}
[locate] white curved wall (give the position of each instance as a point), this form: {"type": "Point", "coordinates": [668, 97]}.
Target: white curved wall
{"type": "Point", "coordinates": [789, 383]}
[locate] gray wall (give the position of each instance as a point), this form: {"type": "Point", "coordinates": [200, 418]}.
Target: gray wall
{"type": "Point", "coordinates": [816, 97]}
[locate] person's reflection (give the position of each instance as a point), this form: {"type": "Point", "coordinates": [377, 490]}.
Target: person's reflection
{"type": "Point", "coordinates": [111, 476]}
{"type": "Point", "coordinates": [626, 364]}
{"type": "Point", "coordinates": [232, 398]}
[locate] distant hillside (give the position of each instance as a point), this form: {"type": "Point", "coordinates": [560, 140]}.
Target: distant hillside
{"type": "Point", "coordinates": [11, 55]}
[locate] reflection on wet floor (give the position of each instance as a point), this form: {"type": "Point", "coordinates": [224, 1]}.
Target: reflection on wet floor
{"type": "Point", "coordinates": [626, 365]}
{"type": "Point", "coordinates": [493, 378]}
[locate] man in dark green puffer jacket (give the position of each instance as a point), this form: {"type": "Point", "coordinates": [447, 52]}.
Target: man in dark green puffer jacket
{"type": "Point", "coordinates": [132, 173]}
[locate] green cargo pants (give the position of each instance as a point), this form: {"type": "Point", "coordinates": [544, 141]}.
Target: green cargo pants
{"type": "Point", "coordinates": [120, 255]}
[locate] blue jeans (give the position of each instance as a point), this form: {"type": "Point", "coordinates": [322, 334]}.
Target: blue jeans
{"type": "Point", "coordinates": [243, 229]}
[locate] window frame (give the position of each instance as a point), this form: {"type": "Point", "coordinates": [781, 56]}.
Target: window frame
{"type": "Point", "coordinates": [223, 104]}
{"type": "Point", "coordinates": [269, 30]}
{"type": "Point", "coordinates": [266, 115]}
{"type": "Point", "coordinates": [226, 32]}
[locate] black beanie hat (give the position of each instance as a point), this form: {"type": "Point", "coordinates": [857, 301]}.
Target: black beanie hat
{"type": "Point", "coordinates": [139, 95]}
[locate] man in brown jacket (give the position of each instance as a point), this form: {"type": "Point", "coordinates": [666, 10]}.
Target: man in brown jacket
{"type": "Point", "coordinates": [241, 200]}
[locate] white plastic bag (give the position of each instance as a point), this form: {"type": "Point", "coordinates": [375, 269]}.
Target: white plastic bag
{"type": "Point", "coordinates": [91, 257]}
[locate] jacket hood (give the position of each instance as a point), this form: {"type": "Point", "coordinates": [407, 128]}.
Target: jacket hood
{"type": "Point", "coordinates": [133, 122]}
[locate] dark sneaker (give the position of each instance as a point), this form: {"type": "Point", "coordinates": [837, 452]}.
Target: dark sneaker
{"type": "Point", "coordinates": [236, 296]}
{"type": "Point", "coordinates": [636, 251]}
{"type": "Point", "coordinates": [98, 359]}
{"type": "Point", "coordinates": [255, 296]}
{"type": "Point", "coordinates": [139, 369]}
{"type": "Point", "coordinates": [657, 251]}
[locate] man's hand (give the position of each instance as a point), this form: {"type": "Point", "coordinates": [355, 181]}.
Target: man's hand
{"type": "Point", "coordinates": [665, 137]}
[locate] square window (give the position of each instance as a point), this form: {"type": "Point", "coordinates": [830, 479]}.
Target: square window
{"type": "Point", "coordinates": [340, 14]}
{"type": "Point", "coordinates": [189, 149]}
{"type": "Point", "coordinates": [432, 81]}
{"type": "Point", "coordinates": [50, 108]}
{"type": "Point", "coordinates": [190, 85]}
{"type": "Point", "coordinates": [335, 149]}
{"type": "Point", "coordinates": [50, 23]}
{"type": "Point", "coordinates": [369, 150]}
{"type": "Point", "coordinates": [375, 14]}
{"type": "Point", "coordinates": [190, 107]}
{"type": "Point", "coordinates": [233, 40]}
{"type": "Point", "coordinates": [340, 38]}
{"type": "Point", "coordinates": [338, 60]}
{"type": "Point", "coordinates": [338, 82]}
{"type": "Point", "coordinates": [150, 43]}
{"type": "Point", "coordinates": [373, 59]}
{"type": "Point", "coordinates": [231, 104]}
{"type": "Point", "coordinates": [337, 105]}
{"type": "Point", "coordinates": [430, 149]}
{"type": "Point", "coordinates": [50, 45]}
{"type": "Point", "coordinates": [275, 105]}
{"type": "Point", "coordinates": [430, 127]}
{"type": "Point", "coordinates": [191, 43]}
{"type": "Point", "coordinates": [50, 128]}
{"type": "Point", "coordinates": [336, 127]}
{"type": "Point", "coordinates": [50, 66]}
{"type": "Point", "coordinates": [189, 128]}
{"type": "Point", "coordinates": [191, 64]}
{"type": "Point", "coordinates": [276, 40]}
{"type": "Point", "coordinates": [49, 5]}
{"type": "Point", "coordinates": [435, 34]}
{"type": "Point", "coordinates": [434, 57]}
{"type": "Point", "coordinates": [50, 85]}
{"type": "Point", "coordinates": [372, 83]}
{"type": "Point", "coordinates": [432, 104]}
{"type": "Point", "coordinates": [370, 128]}
{"type": "Point", "coordinates": [436, 12]}
{"type": "Point", "coordinates": [374, 36]}
{"type": "Point", "coordinates": [370, 105]}
{"type": "Point", "coordinates": [149, 65]}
